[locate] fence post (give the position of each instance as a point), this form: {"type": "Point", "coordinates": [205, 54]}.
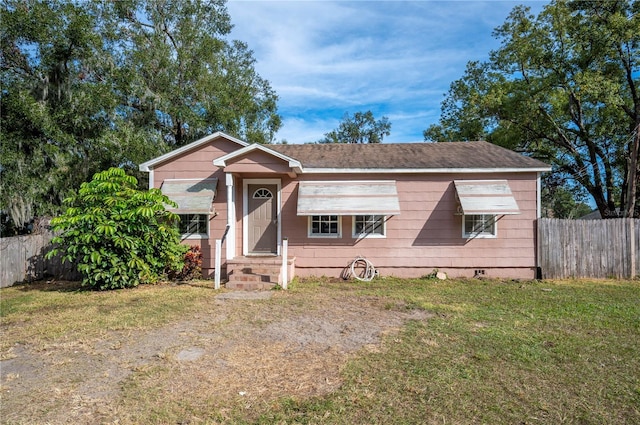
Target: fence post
{"type": "Point", "coordinates": [217, 264]}
{"type": "Point", "coordinates": [285, 263]}
{"type": "Point", "coordinates": [632, 248]}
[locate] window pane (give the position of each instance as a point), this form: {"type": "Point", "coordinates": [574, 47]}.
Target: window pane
{"type": "Point", "coordinates": [481, 224]}
{"type": "Point", "coordinates": [325, 225]}
{"type": "Point", "coordinates": [333, 228]}
{"type": "Point", "coordinates": [368, 224]}
{"type": "Point", "coordinates": [191, 224]}
{"type": "Point", "coordinates": [489, 224]}
{"type": "Point", "coordinates": [262, 193]}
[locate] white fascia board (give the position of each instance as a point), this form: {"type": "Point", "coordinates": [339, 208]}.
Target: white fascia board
{"type": "Point", "coordinates": [421, 170]}
{"type": "Point", "coordinates": [147, 166]}
{"type": "Point", "coordinates": [222, 161]}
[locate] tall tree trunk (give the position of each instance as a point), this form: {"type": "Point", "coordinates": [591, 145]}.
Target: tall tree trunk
{"type": "Point", "coordinates": [633, 174]}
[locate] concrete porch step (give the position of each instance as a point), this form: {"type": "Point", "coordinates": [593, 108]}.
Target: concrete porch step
{"type": "Point", "coordinates": [255, 273]}
{"type": "Point", "coordinates": [250, 286]}
{"type": "Point", "coordinates": [253, 277]}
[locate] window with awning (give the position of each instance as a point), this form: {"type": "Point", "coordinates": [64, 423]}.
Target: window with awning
{"type": "Point", "coordinates": [348, 198]}
{"type": "Point", "coordinates": [193, 196]}
{"type": "Point", "coordinates": [479, 197]}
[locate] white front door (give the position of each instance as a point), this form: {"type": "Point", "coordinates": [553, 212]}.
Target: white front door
{"type": "Point", "coordinates": [262, 219]}
{"type": "Point", "coordinates": [261, 226]}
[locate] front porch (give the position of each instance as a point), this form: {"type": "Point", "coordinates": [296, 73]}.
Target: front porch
{"type": "Point", "coordinates": [258, 273]}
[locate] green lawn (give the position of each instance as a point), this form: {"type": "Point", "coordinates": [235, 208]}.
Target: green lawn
{"type": "Point", "coordinates": [40, 313]}
{"type": "Point", "coordinates": [494, 352]}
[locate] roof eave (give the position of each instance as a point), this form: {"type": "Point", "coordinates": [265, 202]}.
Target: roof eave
{"type": "Point", "coordinates": [424, 170]}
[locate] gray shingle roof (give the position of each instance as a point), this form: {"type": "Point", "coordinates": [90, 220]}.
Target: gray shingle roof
{"type": "Point", "coordinates": [408, 156]}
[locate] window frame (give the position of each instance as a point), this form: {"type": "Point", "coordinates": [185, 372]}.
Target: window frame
{"type": "Point", "coordinates": [363, 235]}
{"type": "Point", "coordinates": [311, 220]}
{"type": "Point", "coordinates": [203, 219]}
{"type": "Point", "coordinates": [481, 234]}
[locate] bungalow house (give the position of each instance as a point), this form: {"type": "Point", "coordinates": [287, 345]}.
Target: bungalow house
{"type": "Point", "coordinates": [465, 208]}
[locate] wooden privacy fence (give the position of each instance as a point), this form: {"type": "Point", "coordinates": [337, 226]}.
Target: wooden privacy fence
{"type": "Point", "coordinates": [589, 248]}
{"type": "Point", "coordinates": [22, 259]}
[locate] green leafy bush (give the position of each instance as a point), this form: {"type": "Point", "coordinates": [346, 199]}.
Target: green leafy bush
{"type": "Point", "coordinates": [119, 236]}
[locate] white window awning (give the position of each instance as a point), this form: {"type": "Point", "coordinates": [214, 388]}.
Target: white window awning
{"type": "Point", "coordinates": [348, 198]}
{"type": "Point", "coordinates": [193, 196]}
{"type": "Point", "coordinates": [485, 197]}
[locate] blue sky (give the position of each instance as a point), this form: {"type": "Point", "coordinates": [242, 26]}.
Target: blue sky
{"type": "Point", "coordinates": [395, 58]}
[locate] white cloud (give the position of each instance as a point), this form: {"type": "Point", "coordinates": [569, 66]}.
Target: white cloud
{"type": "Point", "coordinates": [298, 130]}
{"type": "Point", "coordinates": [324, 58]}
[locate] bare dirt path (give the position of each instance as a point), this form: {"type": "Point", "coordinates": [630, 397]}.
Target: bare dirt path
{"type": "Point", "coordinates": [245, 346]}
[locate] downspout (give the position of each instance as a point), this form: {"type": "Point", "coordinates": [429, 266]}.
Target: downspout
{"type": "Point", "coordinates": [538, 196]}
{"type": "Point", "coordinates": [538, 272]}
{"type": "Point", "coordinates": [147, 169]}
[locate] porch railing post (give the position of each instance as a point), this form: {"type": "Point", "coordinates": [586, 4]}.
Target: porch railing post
{"type": "Point", "coordinates": [217, 263]}
{"type": "Point", "coordinates": [285, 263]}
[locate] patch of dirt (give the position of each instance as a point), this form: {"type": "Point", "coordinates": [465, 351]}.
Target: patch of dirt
{"type": "Point", "coordinates": [254, 349]}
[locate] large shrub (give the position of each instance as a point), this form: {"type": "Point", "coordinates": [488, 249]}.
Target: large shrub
{"type": "Point", "coordinates": [118, 235]}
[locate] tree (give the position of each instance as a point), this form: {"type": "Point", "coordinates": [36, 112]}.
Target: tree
{"type": "Point", "coordinates": [184, 79]}
{"type": "Point", "coordinates": [118, 235]}
{"type": "Point", "coordinates": [57, 113]}
{"type": "Point", "coordinates": [565, 87]}
{"type": "Point", "coordinates": [361, 128]}
{"type": "Point", "coordinates": [560, 202]}
{"type": "Point", "coordinates": [91, 85]}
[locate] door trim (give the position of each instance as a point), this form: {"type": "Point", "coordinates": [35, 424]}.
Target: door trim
{"type": "Point", "coordinates": [245, 212]}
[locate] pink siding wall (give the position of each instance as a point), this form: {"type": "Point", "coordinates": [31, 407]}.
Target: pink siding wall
{"type": "Point", "coordinates": [426, 235]}
{"type": "Point", "coordinates": [257, 162]}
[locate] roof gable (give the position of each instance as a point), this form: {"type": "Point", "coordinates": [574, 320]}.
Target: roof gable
{"type": "Point", "coordinates": [225, 160]}
{"type": "Point", "coordinates": [147, 166]}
